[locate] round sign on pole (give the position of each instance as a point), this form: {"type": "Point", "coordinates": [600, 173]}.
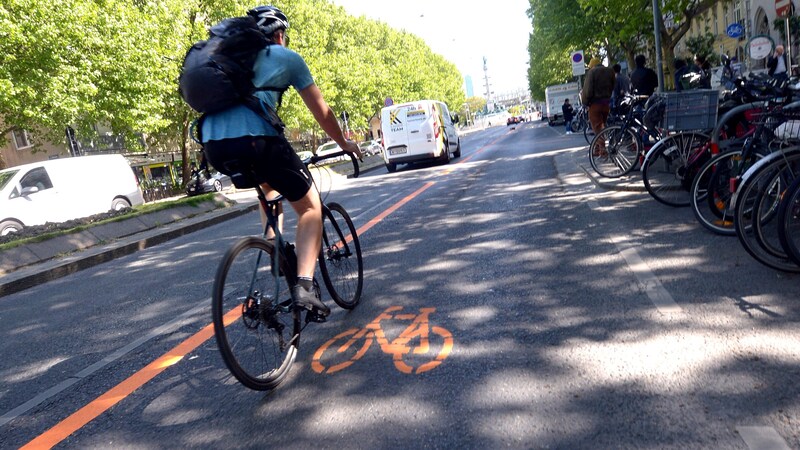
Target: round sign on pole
{"type": "Point", "coordinates": [760, 47]}
{"type": "Point", "coordinates": [783, 8]}
{"type": "Point", "coordinates": [578, 63]}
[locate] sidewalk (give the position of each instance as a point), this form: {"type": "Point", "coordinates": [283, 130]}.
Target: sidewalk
{"type": "Point", "coordinates": [31, 264]}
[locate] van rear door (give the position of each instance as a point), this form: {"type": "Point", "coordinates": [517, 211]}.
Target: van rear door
{"type": "Point", "coordinates": [395, 130]}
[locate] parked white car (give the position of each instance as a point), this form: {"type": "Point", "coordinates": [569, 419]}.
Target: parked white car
{"type": "Point", "coordinates": [63, 189]}
{"type": "Point", "coordinates": [327, 149]}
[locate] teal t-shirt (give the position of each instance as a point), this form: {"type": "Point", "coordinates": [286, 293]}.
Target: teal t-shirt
{"type": "Point", "coordinates": [276, 67]}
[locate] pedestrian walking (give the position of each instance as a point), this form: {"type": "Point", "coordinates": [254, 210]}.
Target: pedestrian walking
{"type": "Point", "coordinates": [643, 79]}
{"type": "Point", "coordinates": [596, 94]}
{"type": "Point", "coordinates": [568, 112]}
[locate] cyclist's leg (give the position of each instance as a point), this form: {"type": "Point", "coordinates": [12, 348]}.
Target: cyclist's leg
{"type": "Point", "coordinates": [309, 232]}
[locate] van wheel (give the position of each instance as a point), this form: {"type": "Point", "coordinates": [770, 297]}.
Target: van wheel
{"type": "Point", "coordinates": [391, 167]}
{"type": "Point", "coordinates": [9, 226]}
{"type": "Point", "coordinates": [457, 153]}
{"type": "Point", "coordinates": [119, 203]}
{"type": "Point", "coordinates": [217, 186]}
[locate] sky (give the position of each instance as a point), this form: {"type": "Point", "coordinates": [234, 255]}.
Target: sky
{"type": "Point", "coordinates": [464, 32]}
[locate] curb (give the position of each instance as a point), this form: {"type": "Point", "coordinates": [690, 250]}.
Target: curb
{"type": "Point", "coordinates": [51, 270]}
{"type": "Point", "coordinates": [612, 186]}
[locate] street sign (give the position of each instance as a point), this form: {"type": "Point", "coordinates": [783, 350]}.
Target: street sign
{"type": "Point", "coordinates": [760, 47]}
{"type": "Point", "coordinates": [578, 63]}
{"type": "Point", "coordinates": [783, 8]}
{"type": "Point", "coordinates": [735, 30]}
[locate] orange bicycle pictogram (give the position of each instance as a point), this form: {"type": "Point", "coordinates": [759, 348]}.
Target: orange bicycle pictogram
{"type": "Point", "coordinates": [347, 347]}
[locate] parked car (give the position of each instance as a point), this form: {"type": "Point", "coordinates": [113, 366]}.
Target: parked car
{"type": "Point", "coordinates": [327, 149]}
{"type": "Point", "coordinates": [201, 183]}
{"type": "Point", "coordinates": [369, 148]}
{"type": "Point", "coordinates": [63, 189]}
{"type": "Point", "coordinates": [512, 121]}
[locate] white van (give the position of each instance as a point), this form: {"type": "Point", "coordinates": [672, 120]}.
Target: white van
{"type": "Point", "coordinates": [418, 131]}
{"type": "Point", "coordinates": [63, 189]}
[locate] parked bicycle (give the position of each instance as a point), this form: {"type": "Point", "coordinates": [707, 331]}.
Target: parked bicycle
{"type": "Point", "coordinates": [618, 149]}
{"type": "Point", "coordinates": [256, 324]}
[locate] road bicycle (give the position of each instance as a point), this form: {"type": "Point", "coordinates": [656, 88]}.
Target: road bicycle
{"type": "Point", "coordinates": [618, 149]}
{"type": "Point", "coordinates": [256, 323]}
{"type": "Point", "coordinates": [670, 167]}
{"type": "Point", "coordinates": [346, 348]}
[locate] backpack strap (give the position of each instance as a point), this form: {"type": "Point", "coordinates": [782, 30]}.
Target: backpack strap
{"type": "Point", "coordinates": [266, 112]}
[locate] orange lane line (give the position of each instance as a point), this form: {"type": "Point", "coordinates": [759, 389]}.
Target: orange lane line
{"type": "Point", "coordinates": [393, 208]}
{"type": "Point", "coordinates": [78, 419]}
{"type": "Point", "coordinates": [116, 394]}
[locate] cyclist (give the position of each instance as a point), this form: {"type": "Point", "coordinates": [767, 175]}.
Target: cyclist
{"type": "Point", "coordinates": [240, 134]}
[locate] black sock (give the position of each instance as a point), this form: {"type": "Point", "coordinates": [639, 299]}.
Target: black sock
{"type": "Point", "coordinates": [305, 282]}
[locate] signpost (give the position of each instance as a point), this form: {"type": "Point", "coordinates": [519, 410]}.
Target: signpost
{"type": "Point", "coordinates": [578, 63]}
{"type": "Point", "coordinates": [734, 30]}
{"type": "Point", "coordinates": [759, 47]}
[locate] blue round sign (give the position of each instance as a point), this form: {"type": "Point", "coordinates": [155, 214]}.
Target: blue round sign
{"type": "Point", "coordinates": [577, 57]}
{"type": "Point", "coordinates": [735, 30]}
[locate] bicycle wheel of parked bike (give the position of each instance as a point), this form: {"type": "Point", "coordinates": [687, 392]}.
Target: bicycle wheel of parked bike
{"type": "Point", "coordinates": [757, 201]}
{"type": "Point", "coordinates": [614, 152]}
{"type": "Point", "coordinates": [254, 321]}
{"type": "Point", "coordinates": [789, 222]}
{"type": "Point", "coordinates": [710, 194]}
{"type": "Point", "coordinates": [667, 173]}
{"type": "Point", "coordinates": [340, 260]}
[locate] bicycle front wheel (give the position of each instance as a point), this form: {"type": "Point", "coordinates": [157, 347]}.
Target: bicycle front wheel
{"type": "Point", "coordinates": [340, 260]}
{"type": "Point", "coordinates": [614, 152]}
{"type": "Point", "coordinates": [255, 323]}
{"type": "Point", "coordinates": [667, 174]}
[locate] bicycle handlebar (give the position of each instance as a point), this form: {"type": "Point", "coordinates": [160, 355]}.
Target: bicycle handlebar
{"type": "Point", "coordinates": [316, 158]}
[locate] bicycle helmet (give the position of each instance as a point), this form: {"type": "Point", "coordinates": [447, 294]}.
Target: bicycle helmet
{"type": "Point", "coordinates": [269, 19]}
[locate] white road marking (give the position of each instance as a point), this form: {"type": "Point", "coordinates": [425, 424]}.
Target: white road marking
{"type": "Point", "coordinates": [762, 438]}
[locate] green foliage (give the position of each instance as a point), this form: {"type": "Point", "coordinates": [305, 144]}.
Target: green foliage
{"type": "Point", "coordinates": [702, 45]}
{"type": "Point", "coordinates": [116, 63]}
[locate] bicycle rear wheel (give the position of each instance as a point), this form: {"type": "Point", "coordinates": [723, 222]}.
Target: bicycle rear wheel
{"type": "Point", "coordinates": [255, 323]}
{"type": "Point", "coordinates": [789, 222]}
{"type": "Point", "coordinates": [614, 152]}
{"type": "Point", "coordinates": [340, 260]}
{"type": "Point", "coordinates": [667, 173]}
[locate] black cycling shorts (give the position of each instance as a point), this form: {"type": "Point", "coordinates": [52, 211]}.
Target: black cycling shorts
{"type": "Point", "coordinates": [272, 157]}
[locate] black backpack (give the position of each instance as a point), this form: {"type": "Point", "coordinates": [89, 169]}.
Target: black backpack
{"type": "Point", "coordinates": [218, 73]}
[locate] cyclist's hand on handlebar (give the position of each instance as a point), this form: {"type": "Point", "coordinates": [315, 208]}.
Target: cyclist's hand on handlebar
{"type": "Point", "coordinates": [352, 147]}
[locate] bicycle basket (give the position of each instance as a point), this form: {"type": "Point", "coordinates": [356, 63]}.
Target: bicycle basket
{"type": "Point", "coordinates": [691, 110]}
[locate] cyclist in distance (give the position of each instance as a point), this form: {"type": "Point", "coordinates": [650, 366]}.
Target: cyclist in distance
{"type": "Point", "coordinates": [239, 134]}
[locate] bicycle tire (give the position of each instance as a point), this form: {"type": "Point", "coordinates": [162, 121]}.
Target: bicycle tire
{"type": "Point", "coordinates": [762, 179]}
{"type": "Point", "coordinates": [255, 323]}
{"type": "Point", "coordinates": [667, 173]}
{"type": "Point", "coordinates": [764, 217]}
{"type": "Point", "coordinates": [588, 134]}
{"type": "Point", "coordinates": [789, 222]}
{"type": "Point", "coordinates": [614, 152]}
{"type": "Point", "coordinates": [707, 205]}
{"type": "Point", "coordinates": [340, 259]}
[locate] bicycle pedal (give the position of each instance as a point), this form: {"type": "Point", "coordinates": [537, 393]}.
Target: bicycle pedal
{"type": "Point", "coordinates": [314, 316]}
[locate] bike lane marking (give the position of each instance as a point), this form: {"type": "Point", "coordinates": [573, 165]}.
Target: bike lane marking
{"type": "Point", "coordinates": [398, 347]}
{"type": "Point", "coordinates": [95, 408]}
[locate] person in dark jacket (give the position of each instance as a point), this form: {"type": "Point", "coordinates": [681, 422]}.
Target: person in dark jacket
{"type": "Point", "coordinates": [704, 69]}
{"type": "Point", "coordinates": [643, 79]}
{"type": "Point", "coordinates": [681, 69]}
{"type": "Point", "coordinates": [777, 64]}
{"type": "Point", "coordinates": [568, 112]}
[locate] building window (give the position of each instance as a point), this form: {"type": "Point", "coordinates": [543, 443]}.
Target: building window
{"type": "Point", "coordinates": [21, 140]}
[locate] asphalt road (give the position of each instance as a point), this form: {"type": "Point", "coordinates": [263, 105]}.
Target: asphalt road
{"type": "Point", "coordinates": [580, 317]}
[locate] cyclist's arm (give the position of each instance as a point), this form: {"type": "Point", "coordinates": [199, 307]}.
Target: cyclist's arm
{"type": "Point", "coordinates": [324, 115]}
